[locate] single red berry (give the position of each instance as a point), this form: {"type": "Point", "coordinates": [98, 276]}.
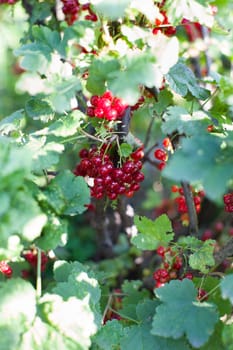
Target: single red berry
{"type": "Point", "coordinates": [230, 231]}
{"type": "Point", "coordinates": [161, 166]}
{"type": "Point", "coordinates": [219, 226]}
{"type": "Point", "coordinates": [161, 251]}
{"type": "Point", "coordinates": [167, 143]}
{"type": "Point", "coordinates": [202, 294]}
{"type": "Point", "coordinates": [188, 275]}
{"type": "Point", "coordinates": [207, 234]}
{"type": "Point", "coordinates": [5, 269]}
{"type": "Point", "coordinates": [174, 188]}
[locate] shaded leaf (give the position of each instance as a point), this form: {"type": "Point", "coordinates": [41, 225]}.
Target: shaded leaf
{"type": "Point", "coordinates": [227, 287]}
{"type": "Point", "coordinates": [181, 314]}
{"type": "Point", "coordinates": [182, 80]}
{"type": "Point", "coordinates": [67, 194]}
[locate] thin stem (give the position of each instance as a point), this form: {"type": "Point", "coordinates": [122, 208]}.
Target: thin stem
{"type": "Point", "coordinates": [149, 130]}
{"type": "Point", "coordinates": [38, 275]}
{"type": "Point", "coordinates": [107, 307]}
{"type": "Point", "coordinates": [193, 222]}
{"type": "Point", "coordinates": [124, 316]}
{"type": "Point", "coordinates": [91, 136]}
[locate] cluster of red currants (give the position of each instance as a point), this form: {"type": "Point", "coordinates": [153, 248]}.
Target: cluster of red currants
{"type": "Point", "coordinates": [72, 10]}
{"type": "Point", "coordinates": [172, 269]}
{"type": "Point", "coordinates": [31, 257]}
{"type": "Point", "coordinates": [163, 25]}
{"type": "Point", "coordinates": [108, 179]}
{"type": "Point", "coordinates": [171, 266]}
{"type": "Point", "coordinates": [162, 154]}
{"type": "Point", "coordinates": [5, 269]}
{"type": "Point", "coordinates": [228, 201]}
{"type": "Point", "coordinates": [9, 2]}
{"type": "Point", "coordinates": [106, 107]}
{"type": "Point", "coordinates": [181, 202]}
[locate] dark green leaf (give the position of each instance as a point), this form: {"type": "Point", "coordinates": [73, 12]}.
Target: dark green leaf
{"type": "Point", "coordinates": [202, 259]}
{"type": "Point", "coordinates": [109, 336]}
{"type": "Point", "coordinates": [38, 108]}
{"type": "Point", "coordinates": [227, 287]}
{"type": "Point", "coordinates": [182, 80]}
{"type": "Point", "coordinates": [67, 194]}
{"type": "Point", "coordinates": [181, 314]}
{"type": "Point", "coordinates": [140, 338]}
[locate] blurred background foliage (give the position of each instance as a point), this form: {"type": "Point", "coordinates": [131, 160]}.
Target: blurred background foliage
{"type": "Point", "coordinates": [82, 243]}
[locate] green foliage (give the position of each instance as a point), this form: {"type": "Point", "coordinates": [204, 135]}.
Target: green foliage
{"type": "Point", "coordinates": [203, 258]}
{"type": "Point", "coordinates": [226, 287]}
{"type": "Point", "coordinates": [208, 150]}
{"type": "Point", "coordinates": [152, 233]}
{"type": "Point", "coordinates": [61, 61]}
{"type": "Point", "coordinates": [177, 314]}
{"type": "Point", "coordinates": [182, 80]}
{"type": "Point", "coordinates": [67, 194]}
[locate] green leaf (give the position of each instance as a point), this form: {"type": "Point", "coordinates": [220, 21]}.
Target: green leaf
{"type": "Point", "coordinates": [215, 341]}
{"type": "Point", "coordinates": [138, 68]}
{"type": "Point", "coordinates": [14, 295]}
{"type": "Point", "coordinates": [152, 233]}
{"type": "Point", "coordinates": [140, 338]}
{"type": "Point", "coordinates": [212, 286]}
{"type": "Point", "coordinates": [125, 150]}
{"type": "Point", "coordinates": [203, 258]}
{"type": "Point", "coordinates": [98, 73]}
{"type": "Point", "coordinates": [110, 9]}
{"type": "Point", "coordinates": [164, 100]}
{"type": "Point", "coordinates": [72, 318]}
{"type": "Point", "coordinates": [39, 108]}
{"type": "Point", "coordinates": [45, 154]}
{"type": "Point", "coordinates": [67, 194]}
{"type": "Point", "coordinates": [227, 287]}
{"type": "Point", "coordinates": [108, 337]}
{"type": "Point", "coordinates": [67, 125]}
{"type": "Point", "coordinates": [9, 337]}
{"type": "Point", "coordinates": [132, 298]}
{"type": "Point", "coordinates": [41, 335]}
{"type": "Point", "coordinates": [63, 91]}
{"type": "Point", "coordinates": [13, 123]}
{"type": "Point", "coordinates": [178, 119]}
{"type": "Point", "coordinates": [81, 282]}
{"type": "Point", "coordinates": [54, 234]}
{"type": "Point", "coordinates": [181, 314]}
{"type": "Point", "coordinates": [182, 80]}
{"type": "Point", "coordinates": [227, 337]}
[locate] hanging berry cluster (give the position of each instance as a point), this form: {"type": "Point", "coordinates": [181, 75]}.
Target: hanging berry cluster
{"type": "Point", "coordinates": [72, 10]}
{"type": "Point", "coordinates": [5, 269]}
{"type": "Point", "coordinates": [228, 201]}
{"type": "Point", "coordinates": [171, 267]}
{"type": "Point", "coordinates": [161, 154]}
{"type": "Point", "coordinates": [107, 179]}
{"type": "Point", "coordinates": [106, 107]}
{"type": "Point", "coordinates": [9, 2]}
{"type": "Point", "coordinates": [31, 257]}
{"type": "Point", "coordinates": [163, 25]}
{"type": "Point", "coordinates": [181, 202]}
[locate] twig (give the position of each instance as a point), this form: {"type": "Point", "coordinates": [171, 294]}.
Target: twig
{"type": "Point", "coordinates": [225, 252]}
{"type": "Point", "coordinates": [149, 130]}
{"type": "Point", "coordinates": [193, 222]}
